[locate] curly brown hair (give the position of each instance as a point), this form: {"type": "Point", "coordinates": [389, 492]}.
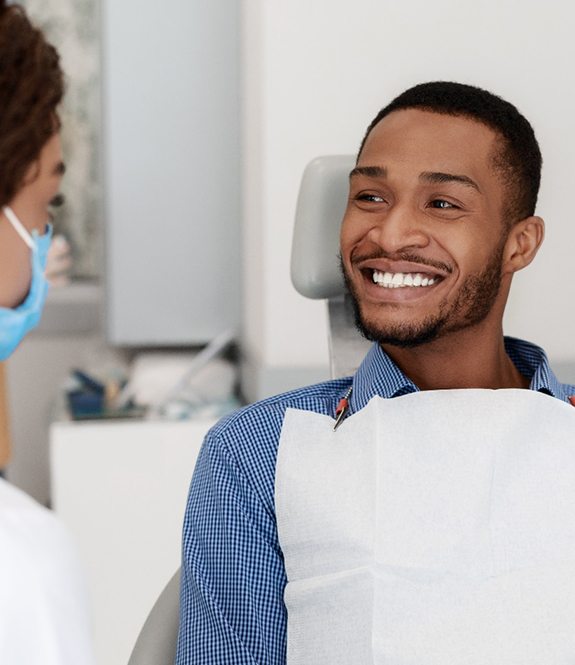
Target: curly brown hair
{"type": "Point", "coordinates": [31, 88]}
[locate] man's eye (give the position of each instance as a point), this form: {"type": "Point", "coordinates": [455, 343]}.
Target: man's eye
{"type": "Point", "coordinates": [370, 198]}
{"type": "Point", "coordinates": [441, 204]}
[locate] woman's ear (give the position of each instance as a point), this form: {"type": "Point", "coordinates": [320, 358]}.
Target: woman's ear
{"type": "Point", "coordinates": [522, 244]}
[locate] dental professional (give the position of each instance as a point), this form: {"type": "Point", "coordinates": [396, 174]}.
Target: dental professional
{"type": "Point", "coordinates": [436, 524]}
{"type": "Point", "coordinates": [43, 605]}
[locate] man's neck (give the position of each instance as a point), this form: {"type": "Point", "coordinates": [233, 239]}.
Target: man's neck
{"type": "Point", "coordinates": [466, 359]}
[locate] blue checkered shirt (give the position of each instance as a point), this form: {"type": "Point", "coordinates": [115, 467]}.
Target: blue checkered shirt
{"type": "Point", "coordinates": [233, 577]}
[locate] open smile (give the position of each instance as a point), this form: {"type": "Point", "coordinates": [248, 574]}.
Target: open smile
{"type": "Point", "coordinates": [399, 280]}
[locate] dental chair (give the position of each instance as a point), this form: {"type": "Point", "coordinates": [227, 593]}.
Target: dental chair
{"type": "Point", "coordinates": [315, 270]}
{"type": "Point", "coordinates": [156, 643]}
{"type": "Point", "coordinates": [315, 274]}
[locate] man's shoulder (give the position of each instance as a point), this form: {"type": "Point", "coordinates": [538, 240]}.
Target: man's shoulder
{"type": "Point", "coordinates": [319, 397]}
{"type": "Point", "coordinates": [261, 422]}
{"type": "Point", "coordinates": [569, 389]}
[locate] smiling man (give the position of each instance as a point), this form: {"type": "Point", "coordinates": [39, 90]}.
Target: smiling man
{"type": "Point", "coordinates": [434, 526]}
{"type": "Point", "coordinates": [440, 217]}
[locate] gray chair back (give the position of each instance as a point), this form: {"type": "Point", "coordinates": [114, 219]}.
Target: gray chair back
{"type": "Point", "coordinates": [315, 270]}
{"type": "Point", "coordinates": [156, 643]}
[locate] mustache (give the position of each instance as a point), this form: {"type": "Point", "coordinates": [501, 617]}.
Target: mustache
{"type": "Point", "coordinates": [401, 256]}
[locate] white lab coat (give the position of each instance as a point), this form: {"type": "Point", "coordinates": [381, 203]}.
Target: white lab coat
{"type": "Point", "coordinates": [43, 604]}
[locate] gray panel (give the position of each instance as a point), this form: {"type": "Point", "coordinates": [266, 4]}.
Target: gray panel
{"type": "Point", "coordinates": [320, 208]}
{"type": "Point", "coordinates": [73, 309]}
{"type": "Point", "coordinates": [171, 166]}
{"type": "Point", "coordinates": [157, 642]}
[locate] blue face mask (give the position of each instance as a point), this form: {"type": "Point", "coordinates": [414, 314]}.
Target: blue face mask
{"type": "Point", "coordinates": [16, 323]}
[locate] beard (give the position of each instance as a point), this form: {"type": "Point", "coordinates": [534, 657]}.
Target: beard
{"type": "Point", "coordinates": [471, 306]}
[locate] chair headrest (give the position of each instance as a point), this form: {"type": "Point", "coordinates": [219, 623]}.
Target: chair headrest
{"type": "Point", "coordinates": [321, 204]}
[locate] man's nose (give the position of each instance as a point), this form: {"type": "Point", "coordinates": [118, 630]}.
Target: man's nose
{"type": "Point", "coordinates": [400, 228]}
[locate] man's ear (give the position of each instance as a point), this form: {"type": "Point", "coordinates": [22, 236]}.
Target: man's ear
{"type": "Point", "coordinates": [522, 244]}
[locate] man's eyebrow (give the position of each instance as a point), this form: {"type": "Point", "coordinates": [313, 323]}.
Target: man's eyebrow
{"type": "Point", "coordinates": [369, 171]}
{"type": "Point", "coordinates": [438, 177]}
{"type": "Point", "coordinates": [60, 168]}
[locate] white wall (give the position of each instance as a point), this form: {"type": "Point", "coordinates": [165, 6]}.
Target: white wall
{"type": "Point", "coordinates": [317, 71]}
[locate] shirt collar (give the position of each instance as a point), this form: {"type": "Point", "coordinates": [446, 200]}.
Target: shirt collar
{"type": "Point", "coordinates": [379, 375]}
{"type": "Point", "coordinates": [532, 362]}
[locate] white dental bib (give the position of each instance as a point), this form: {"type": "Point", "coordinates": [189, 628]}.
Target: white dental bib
{"type": "Point", "coordinates": [436, 528]}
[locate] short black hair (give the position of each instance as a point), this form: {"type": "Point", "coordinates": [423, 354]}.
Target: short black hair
{"type": "Point", "coordinates": [519, 158]}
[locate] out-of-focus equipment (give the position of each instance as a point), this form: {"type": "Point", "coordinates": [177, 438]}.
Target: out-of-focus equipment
{"type": "Point", "coordinates": [59, 262]}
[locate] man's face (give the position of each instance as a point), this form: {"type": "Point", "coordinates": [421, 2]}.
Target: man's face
{"type": "Point", "coordinates": [422, 237]}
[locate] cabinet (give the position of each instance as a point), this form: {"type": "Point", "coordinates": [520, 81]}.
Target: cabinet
{"type": "Point", "coordinates": [171, 163]}
{"type": "Point", "coordinates": [121, 489]}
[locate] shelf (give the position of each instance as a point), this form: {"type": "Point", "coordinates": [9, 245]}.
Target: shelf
{"type": "Point", "coordinates": [73, 309]}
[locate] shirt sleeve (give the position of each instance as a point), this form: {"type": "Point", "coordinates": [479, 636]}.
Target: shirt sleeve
{"type": "Point", "coordinates": [233, 577]}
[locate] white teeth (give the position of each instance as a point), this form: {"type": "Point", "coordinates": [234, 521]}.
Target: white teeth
{"type": "Point", "coordinates": [398, 280]}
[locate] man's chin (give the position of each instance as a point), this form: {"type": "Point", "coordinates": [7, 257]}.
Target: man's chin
{"type": "Point", "coordinates": [401, 338]}
{"type": "Point", "coordinates": [402, 334]}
